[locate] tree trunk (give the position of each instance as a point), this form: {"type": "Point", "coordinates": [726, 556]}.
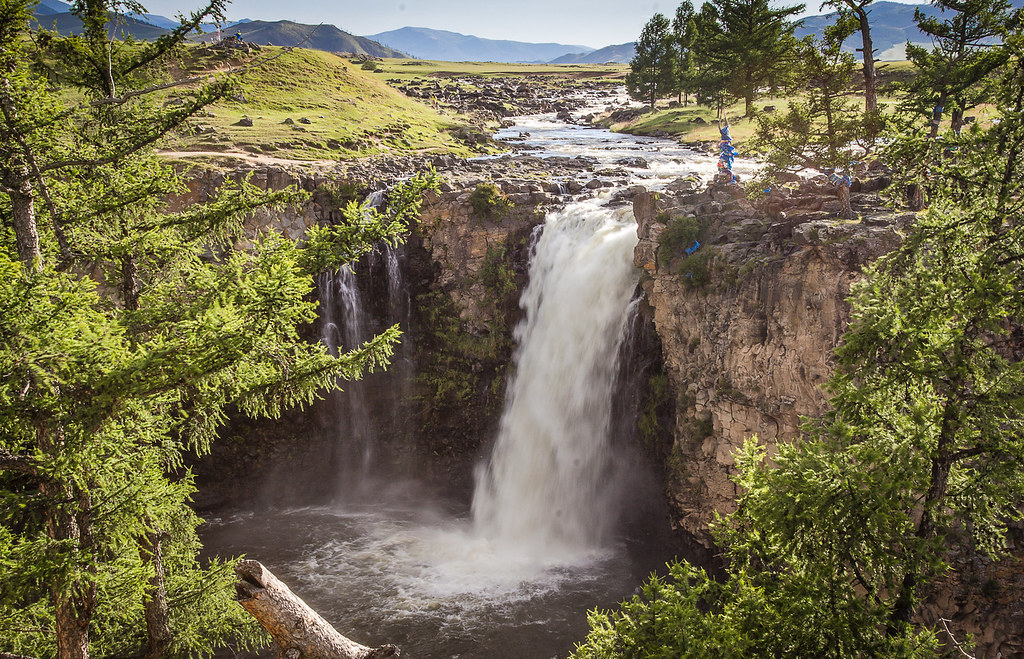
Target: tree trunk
{"type": "Point", "coordinates": [298, 630]}
{"type": "Point", "coordinates": [845, 209]}
{"type": "Point", "coordinates": [937, 115]}
{"type": "Point", "coordinates": [23, 215]}
{"type": "Point", "coordinates": [158, 624]}
{"type": "Point", "coordinates": [868, 50]}
{"type": "Point", "coordinates": [74, 602]}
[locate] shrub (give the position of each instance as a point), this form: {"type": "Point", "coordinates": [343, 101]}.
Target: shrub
{"type": "Point", "coordinates": [489, 202]}
{"type": "Point", "coordinates": [678, 236]}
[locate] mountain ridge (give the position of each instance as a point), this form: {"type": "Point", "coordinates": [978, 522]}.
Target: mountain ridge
{"type": "Point", "coordinates": [448, 46]}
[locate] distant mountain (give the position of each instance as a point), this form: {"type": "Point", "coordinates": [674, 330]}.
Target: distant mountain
{"type": "Point", "coordinates": [47, 7]}
{"type": "Point", "coordinates": [620, 54]}
{"type": "Point", "coordinates": [66, 23]}
{"type": "Point", "coordinates": [892, 26]}
{"type": "Point", "coordinates": [324, 37]}
{"type": "Point", "coordinates": [426, 43]}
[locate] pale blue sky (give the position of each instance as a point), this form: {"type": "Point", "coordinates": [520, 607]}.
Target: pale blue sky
{"type": "Point", "coordinates": [594, 23]}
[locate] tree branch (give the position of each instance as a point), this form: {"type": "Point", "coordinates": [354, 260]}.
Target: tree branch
{"type": "Point", "coordinates": [19, 463]}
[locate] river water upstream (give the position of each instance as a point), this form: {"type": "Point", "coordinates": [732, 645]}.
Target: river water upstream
{"type": "Point", "coordinates": [513, 572]}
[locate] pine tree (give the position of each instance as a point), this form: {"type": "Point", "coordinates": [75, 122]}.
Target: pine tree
{"type": "Point", "coordinates": [754, 44]}
{"type": "Point", "coordinates": [956, 73]}
{"type": "Point", "coordinates": [128, 331]}
{"type": "Point", "coordinates": [651, 71]}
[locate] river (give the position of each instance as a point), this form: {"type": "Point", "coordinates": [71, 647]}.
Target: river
{"type": "Point", "coordinates": [513, 572]}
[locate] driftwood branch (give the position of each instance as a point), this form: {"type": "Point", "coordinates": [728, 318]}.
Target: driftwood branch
{"type": "Point", "coordinates": [299, 631]}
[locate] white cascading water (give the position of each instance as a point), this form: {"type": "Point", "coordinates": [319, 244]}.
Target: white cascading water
{"type": "Point", "coordinates": [547, 489]}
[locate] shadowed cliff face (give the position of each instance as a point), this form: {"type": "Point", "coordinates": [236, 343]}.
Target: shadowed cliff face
{"type": "Point", "coordinates": [748, 322]}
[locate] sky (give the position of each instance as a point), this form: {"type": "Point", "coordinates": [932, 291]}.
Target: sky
{"type": "Point", "coordinates": [593, 23]}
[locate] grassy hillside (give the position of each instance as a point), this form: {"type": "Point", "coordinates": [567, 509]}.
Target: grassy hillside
{"type": "Point", "coordinates": [350, 111]}
{"type": "Point", "coordinates": [323, 37]}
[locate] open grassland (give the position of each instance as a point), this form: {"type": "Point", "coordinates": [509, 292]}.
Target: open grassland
{"type": "Point", "coordinates": [350, 112]}
{"type": "Point", "coordinates": [699, 123]}
{"type": "Point", "coordinates": [313, 105]}
{"type": "Point", "coordinates": [408, 70]}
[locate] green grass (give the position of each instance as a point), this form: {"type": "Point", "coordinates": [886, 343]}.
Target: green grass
{"type": "Point", "coordinates": [352, 112]}
{"type": "Point", "coordinates": [409, 70]}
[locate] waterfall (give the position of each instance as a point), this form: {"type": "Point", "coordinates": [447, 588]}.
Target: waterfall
{"type": "Point", "coordinates": [547, 489]}
{"type": "Point", "coordinates": [353, 308]}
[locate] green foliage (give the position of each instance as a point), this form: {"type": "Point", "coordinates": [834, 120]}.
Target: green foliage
{"type": "Point", "coordinates": [654, 410]}
{"type": "Point", "coordinates": [679, 234]}
{"type": "Point", "coordinates": [341, 194]}
{"type": "Point", "coordinates": [693, 269]}
{"type": "Point", "coordinates": [651, 70]}
{"type": "Point", "coordinates": [128, 332]}
{"type": "Point", "coordinates": [824, 131]}
{"type": "Point", "coordinates": [750, 45]}
{"type": "Point", "coordinates": [833, 540]}
{"type": "Point", "coordinates": [955, 75]}
{"type": "Point", "coordinates": [369, 66]}
{"type": "Point", "coordinates": [489, 202]}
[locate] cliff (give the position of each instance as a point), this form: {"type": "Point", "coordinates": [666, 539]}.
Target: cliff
{"type": "Point", "coordinates": [748, 322]}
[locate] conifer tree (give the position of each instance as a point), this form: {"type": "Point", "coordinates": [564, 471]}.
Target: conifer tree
{"type": "Point", "coordinates": [858, 9]}
{"type": "Point", "coordinates": [754, 44]}
{"type": "Point", "coordinates": [127, 333]}
{"type": "Point", "coordinates": [821, 131]}
{"type": "Point", "coordinates": [954, 75]}
{"type": "Point", "coordinates": [651, 71]}
{"type": "Point", "coordinates": [684, 31]}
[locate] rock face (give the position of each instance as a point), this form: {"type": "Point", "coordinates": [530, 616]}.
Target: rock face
{"type": "Point", "coordinates": [748, 321]}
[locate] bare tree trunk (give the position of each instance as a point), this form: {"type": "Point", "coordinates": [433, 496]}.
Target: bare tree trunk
{"type": "Point", "coordinates": [845, 209]}
{"type": "Point", "coordinates": [158, 624]}
{"type": "Point", "coordinates": [23, 214]}
{"type": "Point", "coordinates": [868, 50]}
{"type": "Point", "coordinates": [298, 630]}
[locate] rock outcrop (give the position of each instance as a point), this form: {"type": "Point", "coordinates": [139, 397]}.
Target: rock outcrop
{"type": "Point", "coordinates": [748, 320]}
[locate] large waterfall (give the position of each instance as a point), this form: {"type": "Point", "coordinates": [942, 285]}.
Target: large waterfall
{"type": "Point", "coordinates": [543, 541]}
{"type": "Point", "coordinates": [548, 488]}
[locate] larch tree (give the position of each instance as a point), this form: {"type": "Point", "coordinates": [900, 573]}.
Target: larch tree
{"type": "Point", "coordinates": [956, 72]}
{"type": "Point", "coordinates": [859, 10]}
{"type": "Point", "coordinates": [754, 44]}
{"type": "Point", "coordinates": [651, 70]}
{"type": "Point", "coordinates": [126, 333]}
{"type": "Point", "coordinates": [823, 130]}
{"type": "Point", "coordinates": [684, 30]}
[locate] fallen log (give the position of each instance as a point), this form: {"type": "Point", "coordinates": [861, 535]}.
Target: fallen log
{"type": "Point", "coordinates": [299, 631]}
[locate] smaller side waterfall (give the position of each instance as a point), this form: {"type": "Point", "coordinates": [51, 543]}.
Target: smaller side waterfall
{"type": "Point", "coordinates": [548, 488]}
{"type": "Point", "coordinates": [356, 302]}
